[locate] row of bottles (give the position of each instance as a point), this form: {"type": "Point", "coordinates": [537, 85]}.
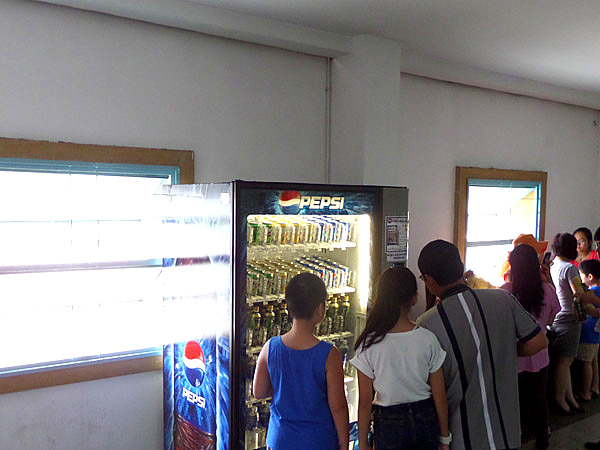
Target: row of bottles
{"type": "Point", "coordinates": [265, 322]}
{"type": "Point", "coordinates": [289, 230]}
{"type": "Point", "coordinates": [257, 421]}
{"type": "Point", "coordinates": [270, 276]}
{"type": "Point", "coordinates": [275, 257]}
{"type": "Point", "coordinates": [336, 316]}
{"type": "Point", "coordinates": [258, 413]}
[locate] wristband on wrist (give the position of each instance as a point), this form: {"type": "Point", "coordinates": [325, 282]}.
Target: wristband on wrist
{"type": "Point", "coordinates": [445, 439]}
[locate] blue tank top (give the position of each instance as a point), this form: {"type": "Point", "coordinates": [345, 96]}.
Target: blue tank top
{"type": "Point", "coordinates": [300, 415]}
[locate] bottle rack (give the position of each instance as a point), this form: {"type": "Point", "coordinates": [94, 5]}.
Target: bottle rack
{"type": "Point", "coordinates": [254, 250]}
{"type": "Point", "coordinates": [339, 252]}
{"type": "Point", "coordinates": [327, 337]}
{"type": "Point", "coordinates": [265, 299]}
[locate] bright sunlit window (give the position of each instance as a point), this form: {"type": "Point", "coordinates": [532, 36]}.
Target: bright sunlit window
{"type": "Point", "coordinates": [78, 267]}
{"type": "Point", "coordinates": [493, 208]}
{"type": "Point", "coordinates": [497, 212]}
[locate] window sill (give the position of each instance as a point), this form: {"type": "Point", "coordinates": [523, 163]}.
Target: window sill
{"type": "Point", "coordinates": [68, 375]}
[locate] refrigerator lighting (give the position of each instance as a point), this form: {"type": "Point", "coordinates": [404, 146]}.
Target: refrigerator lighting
{"type": "Point", "coordinates": [364, 259]}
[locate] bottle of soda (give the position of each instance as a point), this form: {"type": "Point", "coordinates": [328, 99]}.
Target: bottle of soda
{"type": "Point", "coordinates": [333, 312]}
{"type": "Point", "coordinates": [269, 321]}
{"type": "Point", "coordinates": [263, 332]}
{"type": "Point", "coordinates": [286, 323]}
{"type": "Point", "coordinates": [263, 422]}
{"type": "Point", "coordinates": [252, 428]}
{"type": "Point", "coordinates": [264, 413]}
{"type": "Point", "coordinates": [344, 312]}
{"type": "Point", "coordinates": [250, 377]}
{"type": "Point", "coordinates": [277, 322]}
{"type": "Point", "coordinates": [320, 328]}
{"type": "Point", "coordinates": [327, 326]}
{"type": "Point", "coordinates": [344, 350]}
{"type": "Point", "coordinates": [254, 327]}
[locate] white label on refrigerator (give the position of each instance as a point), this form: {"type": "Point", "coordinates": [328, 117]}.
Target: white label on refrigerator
{"type": "Point", "coordinates": [396, 238]}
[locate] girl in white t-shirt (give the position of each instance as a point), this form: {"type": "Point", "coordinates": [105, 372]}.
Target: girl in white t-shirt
{"type": "Point", "coordinates": [402, 364]}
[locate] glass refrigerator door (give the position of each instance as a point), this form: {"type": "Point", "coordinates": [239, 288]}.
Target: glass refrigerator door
{"type": "Point", "coordinates": [196, 278]}
{"type": "Point", "coordinates": [333, 240]}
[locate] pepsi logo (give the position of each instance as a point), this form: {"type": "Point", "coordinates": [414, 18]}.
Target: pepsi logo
{"type": "Point", "coordinates": [290, 202]}
{"type": "Point", "coordinates": [194, 363]}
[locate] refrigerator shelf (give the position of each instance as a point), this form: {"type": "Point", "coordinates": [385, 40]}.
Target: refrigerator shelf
{"type": "Point", "coordinates": [335, 336]}
{"type": "Point", "coordinates": [252, 249]}
{"type": "Point", "coordinates": [254, 401]}
{"type": "Point", "coordinates": [328, 337]}
{"type": "Point", "coordinates": [265, 299]}
{"type": "Point", "coordinates": [341, 290]}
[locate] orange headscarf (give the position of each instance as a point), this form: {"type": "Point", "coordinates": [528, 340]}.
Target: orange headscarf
{"type": "Point", "coordinates": [528, 239]}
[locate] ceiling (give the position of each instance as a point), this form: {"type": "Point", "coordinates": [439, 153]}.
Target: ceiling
{"type": "Point", "coordinates": [548, 49]}
{"type": "Point", "coordinates": [552, 41]}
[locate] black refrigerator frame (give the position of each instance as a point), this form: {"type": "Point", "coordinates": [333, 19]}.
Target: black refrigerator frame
{"type": "Point", "coordinates": [239, 251]}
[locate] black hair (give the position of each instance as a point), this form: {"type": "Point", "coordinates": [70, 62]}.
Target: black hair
{"type": "Point", "coordinates": [587, 232]}
{"type": "Point", "coordinates": [597, 234]}
{"type": "Point", "coordinates": [526, 278]}
{"type": "Point", "coordinates": [303, 294]}
{"type": "Point", "coordinates": [440, 259]}
{"type": "Point", "coordinates": [565, 246]}
{"type": "Point", "coordinates": [396, 287]}
{"type": "Point", "coordinates": [590, 266]}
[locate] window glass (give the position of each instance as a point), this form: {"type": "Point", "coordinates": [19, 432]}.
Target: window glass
{"type": "Point", "coordinates": [79, 266]}
{"type": "Point", "coordinates": [497, 212]}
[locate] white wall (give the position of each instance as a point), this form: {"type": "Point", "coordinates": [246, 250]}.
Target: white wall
{"type": "Point", "coordinates": [84, 77]}
{"type": "Point", "coordinates": [247, 111]}
{"type": "Point", "coordinates": [443, 125]}
{"type": "Point", "coordinates": [113, 413]}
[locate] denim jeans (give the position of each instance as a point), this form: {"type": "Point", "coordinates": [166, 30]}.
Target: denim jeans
{"type": "Point", "coordinates": [407, 426]}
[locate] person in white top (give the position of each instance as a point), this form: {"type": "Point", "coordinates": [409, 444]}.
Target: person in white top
{"type": "Point", "coordinates": [402, 364]}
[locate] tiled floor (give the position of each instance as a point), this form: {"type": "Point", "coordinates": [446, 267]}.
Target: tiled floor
{"type": "Point", "coordinates": [572, 432]}
{"type": "Point", "coordinates": [574, 436]}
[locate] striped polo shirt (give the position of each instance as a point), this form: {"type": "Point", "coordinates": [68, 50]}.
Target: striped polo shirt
{"type": "Point", "coordinates": [479, 330]}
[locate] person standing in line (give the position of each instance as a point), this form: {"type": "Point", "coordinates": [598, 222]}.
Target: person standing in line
{"type": "Point", "coordinates": [566, 325]}
{"type": "Point", "coordinates": [590, 338]}
{"type": "Point", "coordinates": [584, 246]}
{"type": "Point", "coordinates": [482, 332]}
{"type": "Point", "coordinates": [305, 377]}
{"type": "Point", "coordinates": [402, 364]}
{"type": "Point", "coordinates": [539, 299]}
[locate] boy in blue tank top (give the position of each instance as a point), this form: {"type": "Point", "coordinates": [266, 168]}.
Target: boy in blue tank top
{"type": "Point", "coordinates": [304, 375]}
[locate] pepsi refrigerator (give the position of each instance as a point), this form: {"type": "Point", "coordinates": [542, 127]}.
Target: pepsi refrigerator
{"type": "Point", "coordinates": [232, 248]}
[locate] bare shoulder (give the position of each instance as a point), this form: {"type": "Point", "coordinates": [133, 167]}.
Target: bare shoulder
{"type": "Point", "coordinates": [334, 358]}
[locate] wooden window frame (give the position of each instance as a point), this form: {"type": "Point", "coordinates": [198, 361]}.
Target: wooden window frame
{"type": "Point", "coordinates": [65, 151]}
{"type": "Point", "coordinates": [464, 174]}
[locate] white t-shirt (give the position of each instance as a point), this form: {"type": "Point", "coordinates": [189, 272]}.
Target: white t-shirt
{"type": "Point", "coordinates": [400, 365]}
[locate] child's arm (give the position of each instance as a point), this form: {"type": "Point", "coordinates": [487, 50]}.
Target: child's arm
{"type": "Point", "coordinates": [438, 390]}
{"type": "Point", "coordinates": [586, 296]}
{"type": "Point", "coordinates": [261, 385]}
{"type": "Point", "coordinates": [337, 398]}
{"type": "Point", "coordinates": [365, 400]}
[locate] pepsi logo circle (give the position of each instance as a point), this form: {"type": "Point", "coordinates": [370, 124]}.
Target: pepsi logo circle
{"type": "Point", "coordinates": [289, 201]}
{"type": "Point", "coordinates": [194, 363]}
